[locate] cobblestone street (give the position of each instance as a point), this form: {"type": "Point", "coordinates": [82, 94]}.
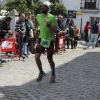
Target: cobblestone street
{"type": "Point", "coordinates": [77, 78]}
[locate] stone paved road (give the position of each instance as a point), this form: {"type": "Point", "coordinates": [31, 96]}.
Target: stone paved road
{"type": "Point", "coordinates": [77, 78]}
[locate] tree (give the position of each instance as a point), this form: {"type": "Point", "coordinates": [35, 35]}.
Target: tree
{"type": "Point", "coordinates": [35, 1]}
{"type": "Point", "coordinates": [1, 9]}
{"type": "Point", "coordinates": [58, 8]}
{"type": "Point", "coordinates": [37, 7]}
{"type": "Point", "coordinates": [29, 3]}
{"type": "Point", "coordinates": [20, 5]}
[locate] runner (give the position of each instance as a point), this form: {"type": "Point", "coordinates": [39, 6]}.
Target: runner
{"type": "Point", "coordinates": [47, 23]}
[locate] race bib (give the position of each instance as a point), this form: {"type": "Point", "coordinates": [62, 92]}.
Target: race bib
{"type": "Point", "coordinates": [45, 43]}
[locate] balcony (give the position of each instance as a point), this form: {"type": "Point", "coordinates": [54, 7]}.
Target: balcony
{"type": "Point", "coordinates": [89, 5]}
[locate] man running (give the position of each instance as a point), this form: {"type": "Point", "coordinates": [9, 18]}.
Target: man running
{"type": "Point", "coordinates": [47, 23]}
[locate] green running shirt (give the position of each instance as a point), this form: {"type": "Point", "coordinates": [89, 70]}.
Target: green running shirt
{"type": "Point", "coordinates": [45, 32]}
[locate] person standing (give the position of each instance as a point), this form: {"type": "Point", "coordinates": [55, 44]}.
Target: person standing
{"type": "Point", "coordinates": [86, 29]}
{"type": "Point", "coordinates": [35, 23]}
{"type": "Point", "coordinates": [71, 36]}
{"type": "Point", "coordinates": [67, 22]}
{"type": "Point", "coordinates": [48, 26]}
{"type": "Point", "coordinates": [60, 22]}
{"type": "Point", "coordinates": [99, 30]}
{"type": "Point", "coordinates": [76, 35]}
{"type": "Point", "coordinates": [29, 31]}
{"type": "Point", "coordinates": [21, 28]}
{"type": "Point", "coordinates": [94, 35]}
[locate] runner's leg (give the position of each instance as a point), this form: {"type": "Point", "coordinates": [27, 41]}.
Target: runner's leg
{"type": "Point", "coordinates": [39, 50]}
{"type": "Point", "coordinates": [51, 62]}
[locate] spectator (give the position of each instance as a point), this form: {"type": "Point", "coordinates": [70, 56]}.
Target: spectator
{"type": "Point", "coordinates": [60, 22]}
{"type": "Point", "coordinates": [29, 29]}
{"type": "Point", "coordinates": [76, 35]}
{"type": "Point", "coordinates": [94, 34]}
{"type": "Point", "coordinates": [5, 30]}
{"type": "Point", "coordinates": [99, 30]}
{"type": "Point", "coordinates": [86, 29]}
{"type": "Point", "coordinates": [66, 29]}
{"type": "Point", "coordinates": [21, 28]}
{"type": "Point", "coordinates": [31, 36]}
{"type": "Point", "coordinates": [72, 21]}
{"type": "Point", "coordinates": [71, 36]}
{"type": "Point", "coordinates": [5, 27]}
{"type": "Point", "coordinates": [67, 22]}
{"type": "Point", "coordinates": [35, 23]}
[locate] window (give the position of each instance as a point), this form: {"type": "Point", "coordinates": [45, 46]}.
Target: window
{"type": "Point", "coordinates": [92, 19]}
{"type": "Point", "coordinates": [53, 1]}
{"type": "Point", "coordinates": [90, 4]}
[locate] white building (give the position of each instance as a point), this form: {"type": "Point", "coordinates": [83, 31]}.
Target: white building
{"type": "Point", "coordinates": [90, 8]}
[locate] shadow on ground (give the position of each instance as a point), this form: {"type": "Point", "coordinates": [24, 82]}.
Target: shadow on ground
{"type": "Point", "coordinates": [78, 79]}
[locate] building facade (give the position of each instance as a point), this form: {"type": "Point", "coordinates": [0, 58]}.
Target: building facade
{"type": "Point", "coordinates": [89, 8]}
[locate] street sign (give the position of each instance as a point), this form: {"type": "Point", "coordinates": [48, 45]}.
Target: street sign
{"type": "Point", "coordinates": [80, 13]}
{"type": "Point", "coordinates": [71, 14]}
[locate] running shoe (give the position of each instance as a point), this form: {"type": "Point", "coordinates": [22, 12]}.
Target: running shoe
{"type": "Point", "coordinates": [52, 79]}
{"type": "Point", "coordinates": [40, 77]}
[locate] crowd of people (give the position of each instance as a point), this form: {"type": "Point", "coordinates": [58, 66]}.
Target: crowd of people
{"type": "Point", "coordinates": [44, 27]}
{"type": "Point", "coordinates": [71, 30]}
{"type": "Point", "coordinates": [95, 33]}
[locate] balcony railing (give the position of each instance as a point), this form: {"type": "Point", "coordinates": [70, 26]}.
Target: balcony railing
{"type": "Point", "coordinates": [89, 4]}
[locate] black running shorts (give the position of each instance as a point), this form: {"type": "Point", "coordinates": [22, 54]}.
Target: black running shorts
{"type": "Point", "coordinates": [40, 49]}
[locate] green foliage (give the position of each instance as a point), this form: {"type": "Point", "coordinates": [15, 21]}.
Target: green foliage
{"type": "Point", "coordinates": [22, 7]}
{"type": "Point", "coordinates": [1, 9]}
{"type": "Point", "coordinates": [58, 8]}
{"type": "Point", "coordinates": [36, 7]}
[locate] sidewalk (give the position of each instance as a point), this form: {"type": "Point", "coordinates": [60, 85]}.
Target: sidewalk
{"type": "Point", "coordinates": [77, 78]}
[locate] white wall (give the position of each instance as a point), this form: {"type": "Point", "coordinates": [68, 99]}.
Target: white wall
{"type": "Point", "coordinates": [72, 4]}
{"type": "Point", "coordinates": [75, 5]}
{"type": "Point", "coordinates": [13, 21]}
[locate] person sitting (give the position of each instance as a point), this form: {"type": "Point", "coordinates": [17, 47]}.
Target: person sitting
{"type": "Point", "coordinates": [5, 30]}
